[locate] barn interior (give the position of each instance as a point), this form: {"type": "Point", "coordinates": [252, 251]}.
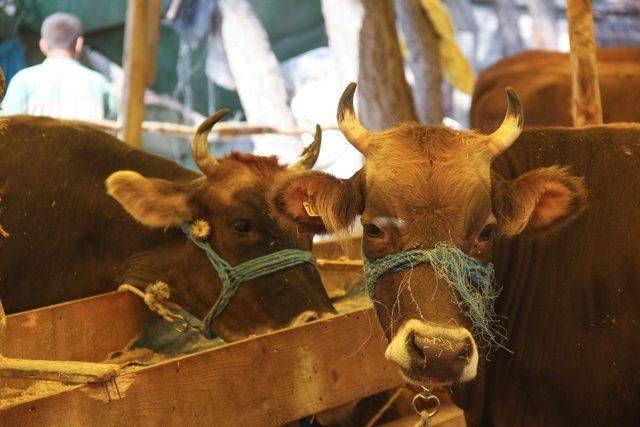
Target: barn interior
{"type": "Point", "coordinates": [189, 288]}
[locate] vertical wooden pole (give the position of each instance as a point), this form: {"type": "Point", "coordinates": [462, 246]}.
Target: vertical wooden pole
{"type": "Point", "coordinates": [135, 69]}
{"type": "Point", "coordinates": [585, 105]}
{"type": "Point", "coordinates": [423, 60]}
{"type": "Point", "coordinates": [384, 96]}
{"type": "Point", "coordinates": [3, 325]}
{"type": "Point", "coordinates": [154, 9]}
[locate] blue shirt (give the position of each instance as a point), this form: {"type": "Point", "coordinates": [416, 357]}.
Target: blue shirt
{"type": "Point", "coordinates": [60, 87]}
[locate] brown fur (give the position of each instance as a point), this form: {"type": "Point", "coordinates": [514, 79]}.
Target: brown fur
{"type": "Point", "coordinates": [539, 202]}
{"type": "Point", "coordinates": [543, 82]}
{"type": "Point", "coordinates": [86, 242]}
{"type": "Point", "coordinates": [152, 202]}
{"type": "Point", "coordinates": [338, 201]}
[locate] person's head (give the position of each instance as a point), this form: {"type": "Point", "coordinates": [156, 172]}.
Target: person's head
{"type": "Point", "coordinates": [61, 34]}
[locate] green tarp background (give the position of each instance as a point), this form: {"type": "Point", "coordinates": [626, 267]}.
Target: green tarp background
{"type": "Point", "coordinates": [293, 26]}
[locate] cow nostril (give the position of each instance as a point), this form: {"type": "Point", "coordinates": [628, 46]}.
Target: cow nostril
{"type": "Point", "coordinates": [466, 350]}
{"type": "Point", "coordinates": [416, 347]}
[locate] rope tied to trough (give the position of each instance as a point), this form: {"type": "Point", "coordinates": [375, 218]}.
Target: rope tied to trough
{"type": "Point", "coordinates": [470, 282]}
{"type": "Point", "coordinates": [154, 296]}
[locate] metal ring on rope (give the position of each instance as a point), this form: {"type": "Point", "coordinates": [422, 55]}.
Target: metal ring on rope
{"type": "Point", "coordinates": [426, 396]}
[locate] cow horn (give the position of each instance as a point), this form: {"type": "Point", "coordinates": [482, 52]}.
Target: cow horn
{"type": "Point", "coordinates": [511, 126]}
{"type": "Point", "coordinates": [310, 154]}
{"type": "Point", "coordinates": [348, 123]}
{"type": "Point", "coordinates": [200, 144]}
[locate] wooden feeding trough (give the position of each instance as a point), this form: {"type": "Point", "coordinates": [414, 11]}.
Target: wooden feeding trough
{"type": "Point", "coordinates": [270, 379]}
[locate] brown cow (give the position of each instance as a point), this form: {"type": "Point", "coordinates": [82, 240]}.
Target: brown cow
{"type": "Point", "coordinates": [437, 205]}
{"type": "Point", "coordinates": [67, 238]}
{"type": "Point", "coordinates": [543, 82]}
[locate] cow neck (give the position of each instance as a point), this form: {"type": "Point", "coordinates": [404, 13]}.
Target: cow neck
{"type": "Point", "coordinates": [232, 277]}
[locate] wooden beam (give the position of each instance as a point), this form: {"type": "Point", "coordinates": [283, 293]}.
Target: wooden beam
{"type": "Point", "coordinates": [3, 324]}
{"type": "Point", "coordinates": [384, 96]}
{"type": "Point", "coordinates": [267, 380]}
{"type": "Point", "coordinates": [87, 329]}
{"type": "Point", "coordinates": [135, 66]}
{"type": "Point", "coordinates": [586, 106]}
{"type": "Point", "coordinates": [423, 59]}
{"type": "Point", "coordinates": [54, 370]}
{"type": "Point", "coordinates": [222, 130]}
{"type": "Point", "coordinates": [154, 10]}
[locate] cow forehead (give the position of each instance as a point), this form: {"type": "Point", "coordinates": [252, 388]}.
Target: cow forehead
{"type": "Point", "coordinates": [429, 179]}
{"type": "Point", "coordinates": [241, 178]}
{"type": "Point", "coordinates": [418, 185]}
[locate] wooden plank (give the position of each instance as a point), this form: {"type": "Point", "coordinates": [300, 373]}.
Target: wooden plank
{"type": "Point", "coordinates": [134, 64]}
{"type": "Point", "coordinates": [154, 10]}
{"type": "Point", "coordinates": [266, 380]}
{"type": "Point", "coordinates": [334, 248]}
{"type": "Point", "coordinates": [87, 329]}
{"type": "Point", "coordinates": [585, 106]}
{"type": "Point", "coordinates": [224, 130]}
{"type": "Point", "coordinates": [339, 280]}
{"type": "Point", "coordinates": [3, 327]}
{"type": "Point", "coordinates": [52, 370]}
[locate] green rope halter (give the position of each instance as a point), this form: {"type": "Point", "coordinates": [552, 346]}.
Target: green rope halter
{"type": "Point", "coordinates": [473, 281]}
{"type": "Point", "coordinates": [233, 276]}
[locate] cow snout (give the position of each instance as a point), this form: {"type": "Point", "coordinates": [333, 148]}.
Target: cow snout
{"type": "Point", "coordinates": [443, 357]}
{"type": "Point", "coordinates": [428, 353]}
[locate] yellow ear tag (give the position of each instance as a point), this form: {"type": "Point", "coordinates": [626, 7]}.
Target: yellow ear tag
{"type": "Point", "coordinates": [200, 229]}
{"type": "Point", "coordinates": [311, 208]}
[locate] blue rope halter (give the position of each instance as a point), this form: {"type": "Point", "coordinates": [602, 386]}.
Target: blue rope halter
{"type": "Point", "coordinates": [473, 280]}
{"type": "Point", "coordinates": [233, 276]}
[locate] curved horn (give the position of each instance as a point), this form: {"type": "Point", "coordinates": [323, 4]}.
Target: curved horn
{"type": "Point", "coordinates": [348, 123]}
{"type": "Point", "coordinates": [511, 126]}
{"type": "Point", "coordinates": [310, 154]}
{"type": "Point", "coordinates": [200, 144]}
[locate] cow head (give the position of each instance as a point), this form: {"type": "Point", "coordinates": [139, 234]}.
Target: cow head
{"type": "Point", "coordinates": [230, 200]}
{"type": "Point", "coordinates": [431, 187]}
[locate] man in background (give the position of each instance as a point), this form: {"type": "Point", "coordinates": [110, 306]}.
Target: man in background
{"type": "Point", "coordinates": [60, 87]}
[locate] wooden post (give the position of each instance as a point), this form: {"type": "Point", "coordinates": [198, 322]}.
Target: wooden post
{"type": "Point", "coordinates": [342, 21]}
{"type": "Point", "coordinates": [154, 10]}
{"type": "Point", "coordinates": [135, 69]}
{"type": "Point", "coordinates": [75, 372]}
{"type": "Point", "coordinates": [384, 97]}
{"type": "Point", "coordinates": [423, 60]}
{"type": "Point", "coordinates": [3, 326]}
{"type": "Point", "coordinates": [259, 80]}
{"type": "Point", "coordinates": [585, 106]}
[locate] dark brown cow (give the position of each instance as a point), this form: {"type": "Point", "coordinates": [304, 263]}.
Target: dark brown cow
{"type": "Point", "coordinates": [69, 239]}
{"type": "Point", "coordinates": [543, 82]}
{"type": "Point", "coordinates": [564, 242]}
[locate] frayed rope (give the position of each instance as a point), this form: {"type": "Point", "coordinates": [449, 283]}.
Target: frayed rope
{"type": "Point", "coordinates": [474, 282]}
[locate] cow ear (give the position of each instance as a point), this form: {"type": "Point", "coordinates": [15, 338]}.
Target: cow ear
{"type": "Point", "coordinates": [152, 202]}
{"type": "Point", "coordinates": [538, 202]}
{"type": "Point", "coordinates": [315, 202]}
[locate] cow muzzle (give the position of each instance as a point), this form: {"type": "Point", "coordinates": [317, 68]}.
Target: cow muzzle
{"type": "Point", "coordinates": [434, 355]}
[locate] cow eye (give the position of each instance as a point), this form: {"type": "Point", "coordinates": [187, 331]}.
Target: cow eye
{"type": "Point", "coordinates": [242, 226]}
{"type": "Point", "coordinates": [488, 233]}
{"type": "Point", "coordinates": [372, 231]}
